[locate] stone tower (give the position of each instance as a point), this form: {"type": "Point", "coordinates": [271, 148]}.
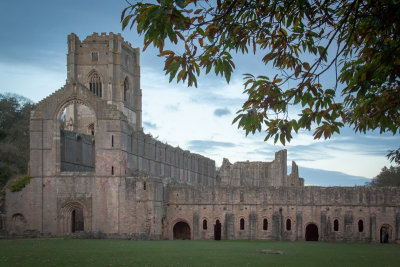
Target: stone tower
{"type": "Point", "coordinates": [110, 68]}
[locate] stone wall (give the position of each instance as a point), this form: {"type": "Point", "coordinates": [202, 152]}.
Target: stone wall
{"type": "Point", "coordinates": [77, 152]}
{"type": "Point", "coordinates": [152, 157]}
{"type": "Point", "coordinates": [115, 207]}
{"type": "Point", "coordinates": [259, 174]}
{"type": "Point", "coordinates": [302, 206]}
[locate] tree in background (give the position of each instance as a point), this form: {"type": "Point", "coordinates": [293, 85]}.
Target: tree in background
{"type": "Point", "coordinates": [294, 37]}
{"type": "Point", "coordinates": [14, 136]}
{"type": "Point", "coordinates": [387, 177]}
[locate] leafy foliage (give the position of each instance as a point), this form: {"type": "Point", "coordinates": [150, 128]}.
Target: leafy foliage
{"type": "Point", "coordinates": [19, 183]}
{"type": "Point", "coordinates": [14, 136]}
{"type": "Point", "coordinates": [387, 177]}
{"type": "Point", "coordinates": [362, 36]}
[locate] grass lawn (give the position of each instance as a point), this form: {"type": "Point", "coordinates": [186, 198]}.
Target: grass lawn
{"type": "Point", "coordinates": [78, 252]}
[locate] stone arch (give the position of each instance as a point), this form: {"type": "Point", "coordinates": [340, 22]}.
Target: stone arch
{"type": "Point", "coordinates": [18, 223]}
{"type": "Point", "coordinates": [385, 233]}
{"type": "Point", "coordinates": [73, 218]}
{"type": "Point", "coordinates": [311, 232]}
{"type": "Point", "coordinates": [75, 126]}
{"type": "Point", "coordinates": [68, 101]}
{"type": "Point", "coordinates": [181, 230]}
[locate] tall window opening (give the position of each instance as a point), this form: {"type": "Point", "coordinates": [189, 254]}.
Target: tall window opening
{"type": "Point", "coordinates": [265, 224]}
{"type": "Point", "coordinates": [126, 89]}
{"type": "Point", "coordinates": [241, 224]}
{"type": "Point", "coordinates": [360, 226]}
{"type": "Point", "coordinates": [335, 225]}
{"type": "Point", "coordinates": [95, 84]}
{"type": "Point", "coordinates": [204, 224]}
{"type": "Point", "coordinates": [288, 225]}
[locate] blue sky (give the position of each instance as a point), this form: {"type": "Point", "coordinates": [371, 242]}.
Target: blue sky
{"type": "Point", "coordinates": [33, 64]}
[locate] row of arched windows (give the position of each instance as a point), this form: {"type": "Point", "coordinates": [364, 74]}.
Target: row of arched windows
{"type": "Point", "coordinates": [360, 225]}
{"type": "Point", "coordinates": [289, 225]}
{"type": "Point", "coordinates": [96, 85]}
{"type": "Point", "coordinates": [265, 224]}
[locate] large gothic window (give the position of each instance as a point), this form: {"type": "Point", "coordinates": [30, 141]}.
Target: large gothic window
{"type": "Point", "coordinates": [95, 85]}
{"type": "Point", "coordinates": [77, 146]}
{"type": "Point", "coordinates": [126, 88]}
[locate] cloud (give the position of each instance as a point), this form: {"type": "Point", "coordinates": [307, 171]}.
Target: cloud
{"type": "Point", "coordinates": [150, 125]}
{"type": "Point", "coordinates": [219, 112]}
{"type": "Point", "coordinates": [206, 145]}
{"type": "Point", "coordinates": [217, 100]}
{"type": "Point", "coordinates": [175, 107]}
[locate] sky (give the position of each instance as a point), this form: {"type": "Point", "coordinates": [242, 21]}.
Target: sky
{"type": "Point", "coordinates": [33, 51]}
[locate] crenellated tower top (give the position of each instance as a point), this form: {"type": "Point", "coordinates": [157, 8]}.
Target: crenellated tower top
{"type": "Point", "coordinates": [110, 68]}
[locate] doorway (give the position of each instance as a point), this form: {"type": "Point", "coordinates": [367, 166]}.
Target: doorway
{"type": "Point", "coordinates": [312, 232]}
{"type": "Point", "coordinates": [385, 234]}
{"type": "Point", "coordinates": [77, 220]}
{"type": "Point", "coordinates": [217, 230]}
{"type": "Point", "coordinates": [181, 231]}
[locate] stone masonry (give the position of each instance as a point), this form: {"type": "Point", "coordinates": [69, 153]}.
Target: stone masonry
{"type": "Point", "coordinates": [95, 174]}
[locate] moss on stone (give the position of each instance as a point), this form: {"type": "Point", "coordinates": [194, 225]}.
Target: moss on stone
{"type": "Point", "coordinates": [19, 183]}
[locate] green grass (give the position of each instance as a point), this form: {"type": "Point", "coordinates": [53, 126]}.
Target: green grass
{"type": "Point", "coordinates": [75, 252]}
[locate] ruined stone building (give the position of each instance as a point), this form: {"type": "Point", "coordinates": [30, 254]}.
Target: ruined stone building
{"type": "Point", "coordinates": [96, 174]}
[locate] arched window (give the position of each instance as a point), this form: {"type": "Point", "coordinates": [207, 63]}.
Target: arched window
{"type": "Point", "coordinates": [288, 225]}
{"type": "Point", "coordinates": [335, 225]}
{"type": "Point", "coordinates": [360, 226]}
{"type": "Point", "coordinates": [241, 224]}
{"type": "Point", "coordinates": [265, 224]}
{"type": "Point", "coordinates": [95, 85]}
{"type": "Point", "coordinates": [126, 88]}
{"type": "Point", "coordinates": [204, 224]}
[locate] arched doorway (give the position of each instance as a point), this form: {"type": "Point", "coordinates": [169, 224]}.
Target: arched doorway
{"type": "Point", "coordinates": [217, 230]}
{"type": "Point", "coordinates": [181, 231]}
{"type": "Point", "coordinates": [18, 224]}
{"type": "Point", "coordinates": [77, 221]}
{"type": "Point", "coordinates": [312, 232]}
{"type": "Point", "coordinates": [385, 234]}
{"type": "Point", "coordinates": [74, 217]}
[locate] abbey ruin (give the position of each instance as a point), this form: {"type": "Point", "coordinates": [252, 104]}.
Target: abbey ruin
{"type": "Point", "coordinates": [95, 174]}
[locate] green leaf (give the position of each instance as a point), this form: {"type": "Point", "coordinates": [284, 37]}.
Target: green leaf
{"type": "Point", "coordinates": [180, 3]}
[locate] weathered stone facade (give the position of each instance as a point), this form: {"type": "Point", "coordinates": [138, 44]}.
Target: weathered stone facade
{"type": "Point", "coordinates": [96, 174]}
